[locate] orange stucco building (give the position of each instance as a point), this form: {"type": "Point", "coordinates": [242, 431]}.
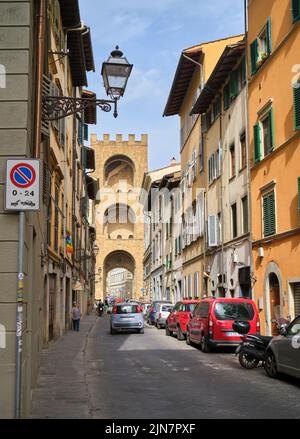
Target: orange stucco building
{"type": "Point", "coordinates": [274, 124]}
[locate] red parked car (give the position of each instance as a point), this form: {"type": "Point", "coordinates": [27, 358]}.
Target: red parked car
{"type": "Point", "coordinates": [179, 317]}
{"type": "Point", "coordinates": [210, 324]}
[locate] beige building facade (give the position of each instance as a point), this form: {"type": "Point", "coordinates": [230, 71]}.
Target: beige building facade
{"type": "Point", "coordinates": [120, 167]}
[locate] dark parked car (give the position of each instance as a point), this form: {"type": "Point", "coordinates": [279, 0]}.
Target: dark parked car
{"type": "Point", "coordinates": [283, 353]}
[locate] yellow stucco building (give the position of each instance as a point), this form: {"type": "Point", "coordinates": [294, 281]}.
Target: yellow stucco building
{"type": "Point", "coordinates": [274, 119]}
{"type": "Point", "coordinates": [194, 68]}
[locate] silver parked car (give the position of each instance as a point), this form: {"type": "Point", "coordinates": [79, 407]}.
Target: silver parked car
{"type": "Point", "coordinates": [283, 354]}
{"type": "Point", "coordinates": [126, 316]}
{"type": "Point", "coordinates": [163, 312]}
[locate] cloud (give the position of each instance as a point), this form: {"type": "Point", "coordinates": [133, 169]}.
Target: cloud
{"type": "Point", "coordinates": [143, 84]}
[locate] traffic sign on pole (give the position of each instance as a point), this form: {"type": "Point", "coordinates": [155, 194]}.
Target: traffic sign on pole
{"type": "Point", "coordinates": [22, 185]}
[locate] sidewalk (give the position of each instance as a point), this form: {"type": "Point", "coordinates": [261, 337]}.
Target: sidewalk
{"type": "Point", "coordinates": [61, 390]}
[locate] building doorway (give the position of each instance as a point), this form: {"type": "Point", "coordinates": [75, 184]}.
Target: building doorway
{"type": "Point", "coordinates": [52, 302]}
{"type": "Point", "coordinates": [274, 289]}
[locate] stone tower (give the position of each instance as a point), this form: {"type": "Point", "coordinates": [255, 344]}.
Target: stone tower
{"type": "Point", "coordinates": [120, 167]}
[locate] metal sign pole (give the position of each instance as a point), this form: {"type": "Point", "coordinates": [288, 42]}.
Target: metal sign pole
{"type": "Point", "coordinates": [19, 325]}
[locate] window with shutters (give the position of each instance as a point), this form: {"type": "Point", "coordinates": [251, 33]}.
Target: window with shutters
{"type": "Point", "coordinates": [295, 10]}
{"type": "Point", "coordinates": [212, 230]}
{"type": "Point", "coordinates": [217, 108]}
{"type": "Point", "coordinates": [201, 154]}
{"type": "Point", "coordinates": [264, 141]}
{"type": "Point", "coordinates": [243, 151]}
{"type": "Point", "coordinates": [194, 165]}
{"type": "Point", "coordinates": [233, 85]}
{"type": "Point", "coordinates": [261, 48]}
{"type": "Point", "coordinates": [245, 214]}
{"type": "Point", "coordinates": [296, 92]}
{"type": "Point", "coordinates": [196, 284]}
{"type": "Point", "coordinates": [269, 214]}
{"type": "Point", "coordinates": [226, 97]}
{"type": "Point", "coordinates": [234, 221]}
{"type": "Point", "coordinates": [232, 160]}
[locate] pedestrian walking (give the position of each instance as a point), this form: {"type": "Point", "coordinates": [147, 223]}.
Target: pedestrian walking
{"type": "Point", "coordinates": [76, 315]}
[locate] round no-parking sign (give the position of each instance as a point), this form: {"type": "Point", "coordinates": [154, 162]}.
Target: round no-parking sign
{"type": "Point", "coordinates": [22, 185]}
{"type": "Point", "coordinates": [23, 175]}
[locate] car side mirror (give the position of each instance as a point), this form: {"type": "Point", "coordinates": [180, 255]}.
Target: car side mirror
{"type": "Point", "coordinates": [283, 330]}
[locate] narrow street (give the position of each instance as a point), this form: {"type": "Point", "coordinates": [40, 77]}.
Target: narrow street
{"type": "Point", "coordinates": [92, 374]}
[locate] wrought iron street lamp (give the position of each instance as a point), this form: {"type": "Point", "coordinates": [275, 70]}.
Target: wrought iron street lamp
{"type": "Point", "coordinates": [115, 71]}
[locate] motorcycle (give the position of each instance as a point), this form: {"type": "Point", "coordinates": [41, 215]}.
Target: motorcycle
{"type": "Point", "coordinates": [251, 352]}
{"type": "Point", "coordinates": [100, 311]}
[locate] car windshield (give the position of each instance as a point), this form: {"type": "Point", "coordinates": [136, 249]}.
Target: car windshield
{"type": "Point", "coordinates": [234, 311]}
{"type": "Point", "coordinates": [127, 309]}
{"type": "Point", "coordinates": [166, 308]}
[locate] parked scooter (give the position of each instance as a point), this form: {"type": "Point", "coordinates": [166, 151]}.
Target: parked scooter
{"type": "Point", "coordinates": [252, 350]}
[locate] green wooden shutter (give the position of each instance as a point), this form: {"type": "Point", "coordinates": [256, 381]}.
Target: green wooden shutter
{"type": "Point", "coordinates": [233, 84]}
{"type": "Point", "coordinates": [272, 214]}
{"type": "Point", "coordinates": [269, 215]}
{"type": "Point", "coordinates": [295, 10]}
{"type": "Point", "coordinates": [257, 143]}
{"type": "Point", "coordinates": [266, 213]}
{"type": "Point", "coordinates": [272, 143]}
{"type": "Point", "coordinates": [243, 71]}
{"type": "Point", "coordinates": [269, 33]}
{"type": "Point", "coordinates": [226, 97]}
{"type": "Point", "coordinates": [296, 91]}
{"type": "Point", "coordinates": [254, 56]}
{"type": "Point", "coordinates": [86, 131]}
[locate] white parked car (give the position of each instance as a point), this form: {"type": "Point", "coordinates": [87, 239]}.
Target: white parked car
{"type": "Point", "coordinates": [163, 312]}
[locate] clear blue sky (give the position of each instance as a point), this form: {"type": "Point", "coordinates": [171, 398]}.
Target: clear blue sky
{"type": "Point", "coordinates": [152, 34]}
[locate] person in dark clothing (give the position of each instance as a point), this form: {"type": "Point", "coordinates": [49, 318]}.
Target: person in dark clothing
{"type": "Point", "coordinates": [100, 308]}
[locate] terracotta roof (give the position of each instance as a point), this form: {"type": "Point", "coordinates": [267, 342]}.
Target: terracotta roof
{"type": "Point", "coordinates": [183, 76]}
{"type": "Point", "coordinates": [232, 53]}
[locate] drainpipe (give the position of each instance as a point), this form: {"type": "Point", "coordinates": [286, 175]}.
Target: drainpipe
{"type": "Point", "coordinates": [40, 49]}
{"type": "Point", "coordinates": [247, 143]}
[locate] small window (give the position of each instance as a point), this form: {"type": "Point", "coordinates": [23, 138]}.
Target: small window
{"type": "Point", "coordinates": [232, 160]}
{"type": "Point", "coordinates": [261, 48]}
{"type": "Point", "coordinates": [264, 136]}
{"type": "Point", "coordinates": [234, 220]}
{"type": "Point", "coordinates": [245, 214]}
{"type": "Point", "coordinates": [243, 151]}
{"type": "Point", "coordinates": [119, 237]}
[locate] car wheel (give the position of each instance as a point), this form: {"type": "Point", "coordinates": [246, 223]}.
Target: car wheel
{"type": "Point", "coordinates": [141, 331]}
{"type": "Point", "coordinates": [113, 331]}
{"type": "Point", "coordinates": [158, 325]}
{"type": "Point", "coordinates": [180, 335]}
{"type": "Point", "coordinates": [270, 365]}
{"type": "Point", "coordinates": [204, 345]}
{"type": "Point", "coordinates": [168, 332]}
{"type": "Point", "coordinates": [247, 361]}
